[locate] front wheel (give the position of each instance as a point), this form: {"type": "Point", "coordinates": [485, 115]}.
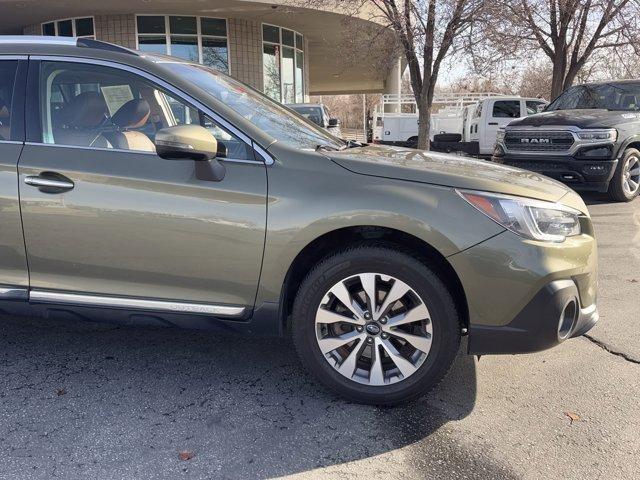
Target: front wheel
{"type": "Point", "coordinates": [375, 325]}
{"type": "Point", "coordinates": [625, 183]}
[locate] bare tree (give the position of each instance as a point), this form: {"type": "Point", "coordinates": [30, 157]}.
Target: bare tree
{"type": "Point", "coordinates": [428, 31]}
{"type": "Point", "coordinates": [568, 32]}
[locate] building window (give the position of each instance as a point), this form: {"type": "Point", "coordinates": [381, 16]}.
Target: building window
{"type": "Point", "coordinates": [197, 39]}
{"type": "Point", "coordinates": [70, 27]}
{"type": "Point", "coordinates": [283, 64]}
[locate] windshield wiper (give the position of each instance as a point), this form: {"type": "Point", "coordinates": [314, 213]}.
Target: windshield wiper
{"type": "Point", "coordinates": [329, 148]}
{"type": "Point", "coordinates": [351, 144]}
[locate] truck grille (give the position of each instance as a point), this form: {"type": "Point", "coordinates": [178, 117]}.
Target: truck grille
{"type": "Point", "coordinates": [538, 141]}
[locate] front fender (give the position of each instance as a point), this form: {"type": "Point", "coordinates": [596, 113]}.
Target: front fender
{"type": "Point", "coordinates": [310, 196]}
{"type": "Point", "coordinates": [625, 144]}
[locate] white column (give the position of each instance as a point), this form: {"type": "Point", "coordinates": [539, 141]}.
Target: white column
{"type": "Point", "coordinates": [393, 85]}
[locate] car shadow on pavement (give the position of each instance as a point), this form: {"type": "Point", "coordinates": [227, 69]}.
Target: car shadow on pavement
{"type": "Point", "coordinates": [95, 400]}
{"type": "Point", "coordinates": [595, 198]}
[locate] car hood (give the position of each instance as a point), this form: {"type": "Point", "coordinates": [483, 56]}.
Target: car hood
{"type": "Point", "coordinates": [448, 170]}
{"type": "Point", "coordinates": [594, 118]}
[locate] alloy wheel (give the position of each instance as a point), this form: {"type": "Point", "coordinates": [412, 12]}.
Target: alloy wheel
{"type": "Point", "coordinates": [631, 176]}
{"type": "Point", "coordinates": [373, 329]}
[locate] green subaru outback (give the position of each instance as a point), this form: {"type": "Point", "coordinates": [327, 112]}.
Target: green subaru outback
{"type": "Point", "coordinates": [142, 189]}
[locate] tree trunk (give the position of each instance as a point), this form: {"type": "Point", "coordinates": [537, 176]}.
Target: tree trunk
{"type": "Point", "coordinates": [559, 70]}
{"type": "Point", "coordinates": [424, 125]}
{"type": "Point", "coordinates": [570, 77]}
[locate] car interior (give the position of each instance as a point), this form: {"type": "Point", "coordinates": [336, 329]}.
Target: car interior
{"type": "Point", "coordinates": [5, 129]}
{"type": "Point", "coordinates": [629, 102]}
{"type": "Point", "coordinates": [6, 87]}
{"type": "Point", "coordinates": [104, 108]}
{"type": "Point", "coordinates": [313, 114]}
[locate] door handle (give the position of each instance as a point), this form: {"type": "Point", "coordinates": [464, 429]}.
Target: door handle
{"type": "Point", "coordinates": [493, 123]}
{"type": "Point", "coordinates": [50, 182]}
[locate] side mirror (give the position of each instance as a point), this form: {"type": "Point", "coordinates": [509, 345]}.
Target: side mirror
{"type": "Point", "coordinates": [191, 142]}
{"type": "Point", "coordinates": [222, 151]}
{"type": "Point", "coordinates": [334, 122]}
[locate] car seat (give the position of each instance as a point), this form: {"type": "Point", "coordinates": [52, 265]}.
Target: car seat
{"type": "Point", "coordinates": [131, 115]}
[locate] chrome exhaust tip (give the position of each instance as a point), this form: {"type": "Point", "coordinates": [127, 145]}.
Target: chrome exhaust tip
{"type": "Point", "coordinates": [568, 319]}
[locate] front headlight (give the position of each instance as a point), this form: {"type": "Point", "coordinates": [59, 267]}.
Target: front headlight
{"type": "Point", "coordinates": [534, 219]}
{"type": "Point", "coordinates": [598, 135]}
{"type": "Point", "coordinates": [500, 136]}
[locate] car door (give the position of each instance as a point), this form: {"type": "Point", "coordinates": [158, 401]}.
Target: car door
{"type": "Point", "coordinates": [476, 119]}
{"type": "Point", "coordinates": [500, 114]}
{"type": "Point", "coordinates": [122, 222]}
{"type": "Point", "coordinates": [14, 278]}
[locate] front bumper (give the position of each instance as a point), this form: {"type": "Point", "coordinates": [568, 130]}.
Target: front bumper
{"type": "Point", "coordinates": [581, 174]}
{"type": "Point", "coordinates": [517, 289]}
{"type": "Point", "coordinates": [552, 316]}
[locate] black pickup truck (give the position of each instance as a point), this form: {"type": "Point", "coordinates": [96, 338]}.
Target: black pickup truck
{"type": "Point", "coordinates": [588, 137]}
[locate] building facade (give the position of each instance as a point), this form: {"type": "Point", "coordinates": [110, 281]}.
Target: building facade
{"type": "Point", "coordinates": [285, 51]}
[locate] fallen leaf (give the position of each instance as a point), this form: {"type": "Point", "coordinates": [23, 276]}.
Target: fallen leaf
{"type": "Point", "coordinates": [185, 455]}
{"type": "Point", "coordinates": [573, 416]}
{"type": "Point", "coordinates": [61, 391]}
{"type": "Point", "coordinates": [634, 280]}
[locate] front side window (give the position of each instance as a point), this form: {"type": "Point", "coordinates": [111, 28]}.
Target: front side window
{"type": "Point", "coordinates": [7, 80]}
{"type": "Point", "coordinates": [266, 114]}
{"type": "Point", "coordinates": [534, 106]}
{"type": "Point", "coordinates": [94, 106]}
{"type": "Point", "coordinates": [283, 64]}
{"type": "Point", "coordinates": [70, 27]}
{"type": "Point", "coordinates": [506, 109]}
{"type": "Point", "coordinates": [196, 39]}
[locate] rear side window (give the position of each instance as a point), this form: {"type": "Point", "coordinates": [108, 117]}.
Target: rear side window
{"type": "Point", "coordinates": [93, 106]}
{"type": "Point", "coordinates": [313, 114]}
{"type": "Point", "coordinates": [7, 81]}
{"type": "Point", "coordinates": [506, 109]}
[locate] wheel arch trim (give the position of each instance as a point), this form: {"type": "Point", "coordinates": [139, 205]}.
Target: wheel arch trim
{"type": "Point", "coordinates": [430, 255]}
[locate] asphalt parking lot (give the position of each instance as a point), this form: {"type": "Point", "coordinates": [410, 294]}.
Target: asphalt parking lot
{"type": "Point", "coordinates": [81, 400]}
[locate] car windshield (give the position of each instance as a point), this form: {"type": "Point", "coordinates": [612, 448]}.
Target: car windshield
{"type": "Point", "coordinates": [610, 96]}
{"type": "Point", "coordinates": [266, 114]}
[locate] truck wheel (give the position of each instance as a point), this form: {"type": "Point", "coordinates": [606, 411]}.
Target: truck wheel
{"type": "Point", "coordinates": [625, 183]}
{"type": "Point", "coordinates": [375, 325]}
{"type": "Point", "coordinates": [412, 142]}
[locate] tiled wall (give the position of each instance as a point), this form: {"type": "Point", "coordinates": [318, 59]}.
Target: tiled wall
{"type": "Point", "coordinates": [35, 29]}
{"type": "Point", "coordinates": [245, 51]}
{"type": "Point", "coordinates": [119, 29]}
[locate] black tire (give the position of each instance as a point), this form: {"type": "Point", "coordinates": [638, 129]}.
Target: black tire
{"type": "Point", "coordinates": [382, 259]}
{"type": "Point", "coordinates": [447, 137]}
{"type": "Point", "coordinates": [412, 142]}
{"type": "Point", "coordinates": [617, 191]}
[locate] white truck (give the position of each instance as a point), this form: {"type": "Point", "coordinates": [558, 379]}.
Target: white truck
{"type": "Point", "coordinates": [466, 122]}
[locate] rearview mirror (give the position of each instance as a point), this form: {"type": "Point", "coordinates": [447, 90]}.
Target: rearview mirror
{"type": "Point", "coordinates": [191, 142]}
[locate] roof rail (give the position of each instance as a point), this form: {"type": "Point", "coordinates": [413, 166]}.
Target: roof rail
{"type": "Point", "coordinates": [71, 41]}
{"type": "Point", "coordinates": [22, 39]}
{"type": "Point", "coordinates": [91, 43]}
